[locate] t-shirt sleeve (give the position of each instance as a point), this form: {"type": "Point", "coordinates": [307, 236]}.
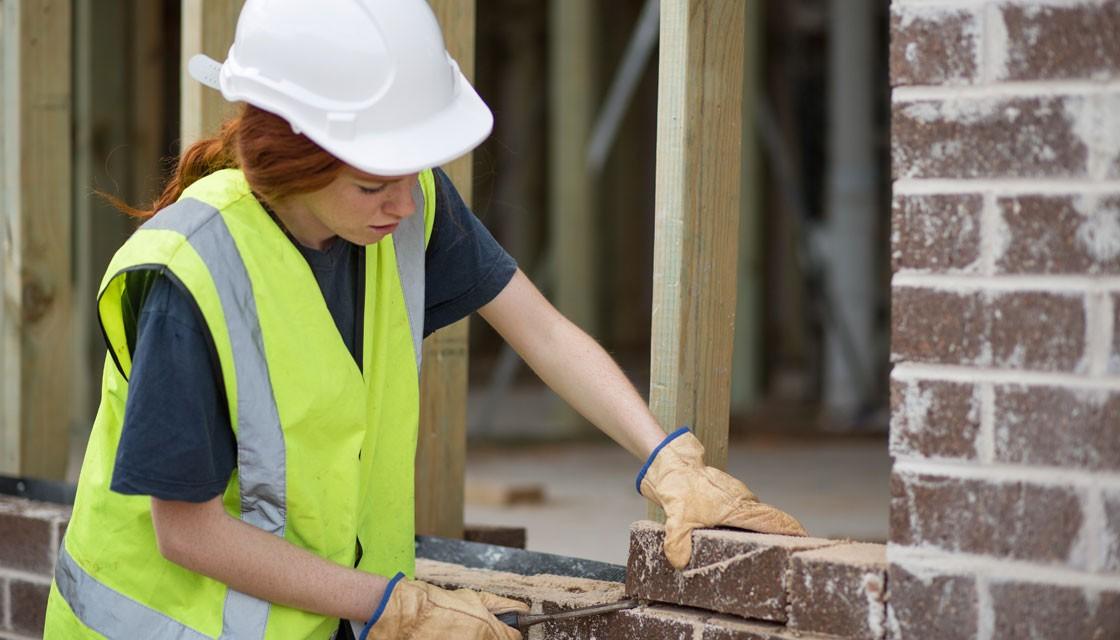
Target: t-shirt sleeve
{"type": "Point", "coordinates": [176, 442]}
{"type": "Point", "coordinates": [465, 267]}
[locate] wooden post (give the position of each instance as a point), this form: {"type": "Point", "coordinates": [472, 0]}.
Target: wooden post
{"type": "Point", "coordinates": [208, 27]}
{"type": "Point", "coordinates": [572, 197]}
{"type": "Point", "coordinates": [572, 213]}
{"type": "Point", "coordinates": [746, 379]}
{"type": "Point", "coordinates": [36, 320]}
{"type": "Point", "coordinates": [442, 445]}
{"type": "Point", "coordinates": [696, 231]}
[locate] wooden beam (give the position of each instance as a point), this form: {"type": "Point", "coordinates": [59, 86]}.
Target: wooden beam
{"type": "Point", "coordinates": [697, 216]}
{"type": "Point", "coordinates": [442, 444]}
{"type": "Point", "coordinates": [571, 71]}
{"type": "Point", "coordinates": [208, 27]}
{"type": "Point", "coordinates": [36, 321]}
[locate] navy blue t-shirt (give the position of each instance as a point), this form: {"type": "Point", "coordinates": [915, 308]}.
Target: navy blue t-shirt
{"type": "Point", "coordinates": [176, 442]}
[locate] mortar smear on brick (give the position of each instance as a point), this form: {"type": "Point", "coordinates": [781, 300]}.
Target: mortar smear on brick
{"type": "Point", "coordinates": [1057, 427]}
{"type": "Point", "coordinates": [1061, 234]}
{"type": "Point", "coordinates": [573, 592]}
{"type": "Point", "coordinates": [839, 590]}
{"type": "Point", "coordinates": [934, 45]}
{"type": "Point", "coordinates": [1054, 42]}
{"type": "Point", "coordinates": [934, 419]}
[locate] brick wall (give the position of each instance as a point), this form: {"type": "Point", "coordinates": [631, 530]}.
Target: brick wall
{"type": "Point", "coordinates": [1005, 430]}
{"type": "Point", "coordinates": [30, 533]}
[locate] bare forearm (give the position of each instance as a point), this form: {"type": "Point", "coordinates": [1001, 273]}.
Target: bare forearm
{"type": "Point", "coordinates": [574, 366]}
{"type": "Point", "coordinates": [207, 540]}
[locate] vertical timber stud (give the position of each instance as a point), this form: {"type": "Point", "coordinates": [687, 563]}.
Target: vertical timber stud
{"type": "Point", "coordinates": [572, 90]}
{"type": "Point", "coordinates": [442, 444]}
{"type": "Point", "coordinates": [37, 316]}
{"type": "Point", "coordinates": [208, 27]}
{"type": "Point", "coordinates": [699, 113]}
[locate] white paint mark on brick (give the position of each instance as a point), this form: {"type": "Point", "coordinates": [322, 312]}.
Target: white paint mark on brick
{"type": "Point", "coordinates": [995, 44]}
{"type": "Point", "coordinates": [1099, 234]}
{"type": "Point", "coordinates": [1095, 122]}
{"type": "Point", "coordinates": [934, 562]}
{"type": "Point", "coordinates": [1109, 328]}
{"type": "Point", "coordinates": [872, 586]}
{"type": "Point", "coordinates": [985, 614]}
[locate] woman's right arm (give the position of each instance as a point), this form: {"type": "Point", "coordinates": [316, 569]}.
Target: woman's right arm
{"type": "Point", "coordinates": [204, 538]}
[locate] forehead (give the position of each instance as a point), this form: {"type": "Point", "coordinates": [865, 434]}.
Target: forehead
{"type": "Point", "coordinates": [362, 176]}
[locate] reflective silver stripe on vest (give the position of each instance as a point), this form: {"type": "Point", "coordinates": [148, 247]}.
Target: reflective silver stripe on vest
{"type": "Point", "coordinates": [409, 244]}
{"type": "Point", "coordinates": [260, 438]}
{"type": "Point", "coordinates": [109, 612]}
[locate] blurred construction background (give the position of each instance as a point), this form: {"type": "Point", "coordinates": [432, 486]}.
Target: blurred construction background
{"type": "Point", "coordinates": [566, 184]}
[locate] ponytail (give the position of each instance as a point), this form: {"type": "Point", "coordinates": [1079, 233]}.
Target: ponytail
{"type": "Point", "coordinates": [277, 161]}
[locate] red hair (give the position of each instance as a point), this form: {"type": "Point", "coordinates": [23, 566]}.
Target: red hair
{"type": "Point", "coordinates": [276, 161]}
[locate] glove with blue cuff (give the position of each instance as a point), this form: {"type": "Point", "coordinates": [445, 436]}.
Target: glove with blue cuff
{"type": "Point", "coordinates": [420, 611]}
{"type": "Point", "coordinates": [694, 495]}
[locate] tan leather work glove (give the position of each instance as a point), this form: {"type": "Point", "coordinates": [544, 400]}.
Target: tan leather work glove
{"type": "Point", "coordinates": [417, 610]}
{"type": "Point", "coordinates": [695, 496]}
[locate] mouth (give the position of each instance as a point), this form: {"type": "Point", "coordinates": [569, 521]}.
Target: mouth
{"type": "Point", "coordinates": [385, 228]}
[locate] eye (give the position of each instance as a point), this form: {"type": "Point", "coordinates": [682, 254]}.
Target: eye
{"type": "Point", "coordinates": [371, 190]}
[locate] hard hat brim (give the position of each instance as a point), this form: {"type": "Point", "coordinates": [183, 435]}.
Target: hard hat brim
{"type": "Point", "coordinates": [450, 133]}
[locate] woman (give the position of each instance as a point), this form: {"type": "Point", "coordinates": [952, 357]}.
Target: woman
{"type": "Point", "coordinates": [250, 470]}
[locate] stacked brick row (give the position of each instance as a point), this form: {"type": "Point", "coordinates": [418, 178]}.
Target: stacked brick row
{"type": "Point", "coordinates": [30, 533]}
{"type": "Point", "coordinates": [1005, 429]}
{"type": "Point", "coordinates": [738, 586]}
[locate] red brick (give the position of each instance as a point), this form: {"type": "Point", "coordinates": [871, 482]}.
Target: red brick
{"type": "Point", "coordinates": [1016, 520]}
{"type": "Point", "coordinates": [1027, 330]}
{"type": "Point", "coordinates": [840, 591]}
{"type": "Point", "coordinates": [989, 138]}
{"type": "Point", "coordinates": [934, 419]}
{"type": "Point", "coordinates": [1111, 533]}
{"type": "Point", "coordinates": [1038, 331]}
{"type": "Point", "coordinates": [28, 605]}
{"type": "Point", "coordinates": [1056, 426]}
{"type": "Point", "coordinates": [26, 529]}
{"type": "Point", "coordinates": [936, 233]}
{"type": "Point", "coordinates": [1027, 610]}
{"type": "Point", "coordinates": [1062, 42]}
{"type": "Point", "coordinates": [1061, 234]}
{"type": "Point", "coordinates": [934, 46]}
{"type": "Point", "coordinates": [734, 572]}
{"type": "Point", "coordinates": [924, 604]}
{"type": "Point", "coordinates": [931, 325]}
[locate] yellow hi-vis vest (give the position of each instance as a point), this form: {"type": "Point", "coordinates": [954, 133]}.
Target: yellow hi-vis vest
{"type": "Point", "coordinates": [325, 450]}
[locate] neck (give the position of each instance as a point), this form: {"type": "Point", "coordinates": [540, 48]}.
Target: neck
{"type": "Point", "coordinates": [300, 225]}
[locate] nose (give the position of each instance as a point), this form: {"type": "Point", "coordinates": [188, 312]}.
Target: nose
{"type": "Point", "coordinates": [400, 203]}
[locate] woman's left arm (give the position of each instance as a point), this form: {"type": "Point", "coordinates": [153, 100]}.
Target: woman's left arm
{"type": "Point", "coordinates": [573, 365]}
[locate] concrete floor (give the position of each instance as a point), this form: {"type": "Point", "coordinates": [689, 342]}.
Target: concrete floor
{"type": "Point", "coordinates": [836, 487]}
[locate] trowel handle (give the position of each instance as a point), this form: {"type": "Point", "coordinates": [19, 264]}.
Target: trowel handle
{"type": "Point", "coordinates": [509, 619]}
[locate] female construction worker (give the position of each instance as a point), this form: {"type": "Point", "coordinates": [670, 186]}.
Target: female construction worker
{"type": "Point", "coordinates": [250, 470]}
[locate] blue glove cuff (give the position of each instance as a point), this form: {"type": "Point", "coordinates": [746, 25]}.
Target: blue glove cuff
{"type": "Point", "coordinates": [656, 450]}
{"type": "Point", "coordinates": [381, 606]}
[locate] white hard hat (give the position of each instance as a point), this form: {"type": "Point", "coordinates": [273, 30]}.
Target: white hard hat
{"type": "Point", "coordinates": [368, 80]}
